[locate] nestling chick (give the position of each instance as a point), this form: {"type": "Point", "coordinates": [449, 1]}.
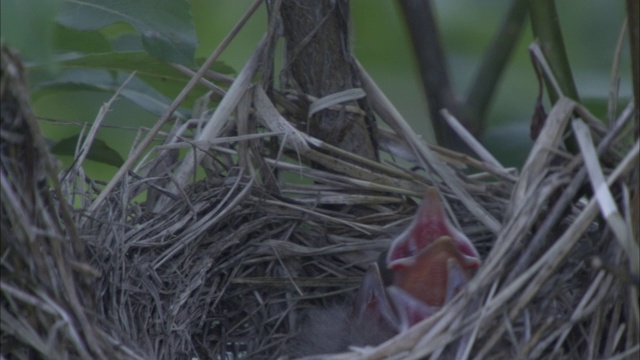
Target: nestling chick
{"type": "Point", "coordinates": [367, 319]}
{"type": "Point", "coordinates": [430, 261]}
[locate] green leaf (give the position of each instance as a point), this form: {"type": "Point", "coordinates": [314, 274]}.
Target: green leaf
{"type": "Point", "coordinates": [99, 151]}
{"type": "Point", "coordinates": [127, 42]}
{"type": "Point", "coordinates": [136, 90]}
{"type": "Point", "coordinates": [166, 26]}
{"type": "Point", "coordinates": [118, 61]}
{"type": "Point", "coordinates": [68, 40]}
{"type": "Point", "coordinates": [162, 77]}
{"type": "Point", "coordinates": [27, 25]}
{"type": "Point", "coordinates": [218, 66]}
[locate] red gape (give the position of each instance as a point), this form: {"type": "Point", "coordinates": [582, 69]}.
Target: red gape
{"type": "Point", "coordinates": [429, 224]}
{"type": "Point", "coordinates": [428, 279]}
{"type": "Point", "coordinates": [431, 260]}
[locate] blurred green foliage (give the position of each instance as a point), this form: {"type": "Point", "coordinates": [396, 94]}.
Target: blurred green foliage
{"type": "Point", "coordinates": [380, 42]}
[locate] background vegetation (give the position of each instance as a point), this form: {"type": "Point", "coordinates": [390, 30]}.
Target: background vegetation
{"type": "Point", "coordinates": [380, 42]}
{"type": "Point", "coordinates": [230, 263]}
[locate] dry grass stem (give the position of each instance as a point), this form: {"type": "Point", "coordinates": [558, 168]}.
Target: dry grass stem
{"type": "Point", "coordinates": [216, 253]}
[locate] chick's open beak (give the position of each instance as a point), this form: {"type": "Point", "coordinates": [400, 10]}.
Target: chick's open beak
{"type": "Point", "coordinates": [430, 261]}
{"type": "Point", "coordinates": [429, 224]}
{"type": "Point", "coordinates": [371, 301]}
{"type": "Point", "coordinates": [418, 291]}
{"type": "Point", "coordinates": [435, 274]}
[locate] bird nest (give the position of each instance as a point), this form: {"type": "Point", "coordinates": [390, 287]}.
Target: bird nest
{"type": "Point", "coordinates": [223, 266]}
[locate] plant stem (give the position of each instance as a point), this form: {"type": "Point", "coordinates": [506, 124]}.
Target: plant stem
{"type": "Point", "coordinates": [495, 60]}
{"type": "Point", "coordinates": [546, 28]}
{"type": "Point", "coordinates": [633, 18]}
{"type": "Point", "coordinates": [421, 24]}
{"type": "Point", "coordinates": [319, 63]}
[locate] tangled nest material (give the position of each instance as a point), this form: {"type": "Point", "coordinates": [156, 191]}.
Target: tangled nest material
{"type": "Point", "coordinates": [222, 267]}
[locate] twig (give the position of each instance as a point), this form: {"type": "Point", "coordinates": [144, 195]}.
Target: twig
{"type": "Point", "coordinates": [213, 126]}
{"type": "Point", "coordinates": [494, 62]}
{"type": "Point", "coordinates": [433, 68]}
{"type": "Point", "coordinates": [546, 28]}
{"type": "Point", "coordinates": [633, 17]}
{"type": "Point", "coordinates": [144, 144]}
{"type": "Point", "coordinates": [471, 140]}
{"type": "Point", "coordinates": [615, 76]}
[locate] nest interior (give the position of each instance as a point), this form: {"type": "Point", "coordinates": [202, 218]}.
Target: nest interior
{"type": "Point", "coordinates": [223, 266]}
